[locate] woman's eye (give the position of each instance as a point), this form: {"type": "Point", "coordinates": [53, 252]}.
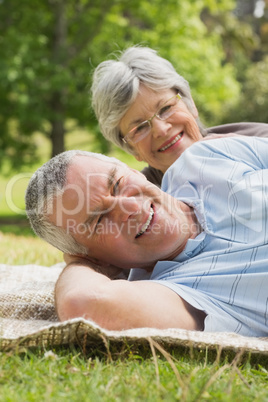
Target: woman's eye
{"type": "Point", "coordinates": [141, 128]}
{"type": "Point", "coordinates": [116, 187]}
{"type": "Point", "coordinates": [165, 109]}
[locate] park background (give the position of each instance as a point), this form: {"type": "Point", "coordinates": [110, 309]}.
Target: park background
{"type": "Point", "coordinates": [48, 51]}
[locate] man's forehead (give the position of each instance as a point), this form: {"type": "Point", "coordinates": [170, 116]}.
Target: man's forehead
{"type": "Point", "coordinates": [91, 160]}
{"type": "Point", "coordinates": [90, 166]}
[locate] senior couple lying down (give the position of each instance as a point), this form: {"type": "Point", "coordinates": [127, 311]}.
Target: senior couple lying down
{"type": "Point", "coordinates": [195, 251]}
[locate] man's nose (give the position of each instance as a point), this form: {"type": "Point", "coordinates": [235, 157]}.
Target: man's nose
{"type": "Point", "coordinates": [160, 128]}
{"type": "Point", "coordinates": [125, 207]}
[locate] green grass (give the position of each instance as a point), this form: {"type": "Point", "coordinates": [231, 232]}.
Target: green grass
{"type": "Point", "coordinates": [69, 374]}
{"type": "Point", "coordinates": [20, 250]}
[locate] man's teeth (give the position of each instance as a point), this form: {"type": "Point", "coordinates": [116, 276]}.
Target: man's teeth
{"type": "Point", "coordinates": [171, 143]}
{"type": "Point", "coordinates": [147, 223]}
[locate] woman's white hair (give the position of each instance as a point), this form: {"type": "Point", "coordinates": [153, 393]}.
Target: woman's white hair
{"type": "Point", "coordinates": [46, 184]}
{"type": "Point", "coordinates": [116, 84]}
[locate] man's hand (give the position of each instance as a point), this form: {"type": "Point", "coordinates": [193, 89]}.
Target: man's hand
{"type": "Point", "coordinates": [110, 271]}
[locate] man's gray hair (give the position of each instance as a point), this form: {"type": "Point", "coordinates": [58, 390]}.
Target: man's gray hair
{"type": "Point", "coordinates": [116, 85]}
{"type": "Point", "coordinates": [46, 184]}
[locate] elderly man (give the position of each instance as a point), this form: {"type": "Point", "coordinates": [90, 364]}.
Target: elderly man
{"type": "Point", "coordinates": [199, 249]}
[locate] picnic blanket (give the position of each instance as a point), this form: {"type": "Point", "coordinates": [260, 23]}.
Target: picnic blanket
{"type": "Point", "coordinates": [28, 319]}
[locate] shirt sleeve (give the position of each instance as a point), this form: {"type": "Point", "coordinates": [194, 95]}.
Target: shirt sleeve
{"type": "Point", "coordinates": [250, 152]}
{"type": "Point", "coordinates": [226, 182]}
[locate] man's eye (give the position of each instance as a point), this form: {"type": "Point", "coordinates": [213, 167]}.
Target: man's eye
{"type": "Point", "coordinates": [99, 220]}
{"type": "Point", "coordinates": [116, 186]}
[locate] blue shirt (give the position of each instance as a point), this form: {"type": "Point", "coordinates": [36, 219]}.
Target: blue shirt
{"type": "Point", "coordinates": [224, 270]}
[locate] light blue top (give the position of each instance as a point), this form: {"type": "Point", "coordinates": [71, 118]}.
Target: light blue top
{"type": "Point", "coordinates": [224, 270]}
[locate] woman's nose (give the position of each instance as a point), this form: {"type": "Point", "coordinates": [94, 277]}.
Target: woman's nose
{"type": "Point", "coordinates": [160, 128]}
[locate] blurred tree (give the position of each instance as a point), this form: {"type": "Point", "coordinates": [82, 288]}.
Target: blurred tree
{"type": "Point", "coordinates": [237, 39]}
{"type": "Point", "coordinates": [255, 92]}
{"type": "Point", "coordinates": [44, 74]}
{"type": "Point", "coordinates": [48, 47]}
{"type": "Point", "coordinates": [246, 47]}
{"type": "Point", "coordinates": [253, 100]}
{"type": "Point", "coordinates": [245, 7]}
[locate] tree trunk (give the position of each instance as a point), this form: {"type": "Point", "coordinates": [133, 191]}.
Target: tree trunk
{"type": "Point", "coordinates": [59, 59]}
{"type": "Point", "coordinates": [245, 7]}
{"type": "Point", "coordinates": [57, 136]}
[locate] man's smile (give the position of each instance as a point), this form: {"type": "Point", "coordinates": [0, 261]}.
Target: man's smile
{"type": "Point", "coordinates": [147, 223]}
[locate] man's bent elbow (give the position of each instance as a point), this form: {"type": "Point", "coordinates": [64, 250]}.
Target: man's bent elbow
{"type": "Point", "coordinates": [70, 306]}
{"type": "Point", "coordinates": [93, 308]}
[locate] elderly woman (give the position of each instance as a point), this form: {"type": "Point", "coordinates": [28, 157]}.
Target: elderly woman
{"type": "Point", "coordinates": [145, 107]}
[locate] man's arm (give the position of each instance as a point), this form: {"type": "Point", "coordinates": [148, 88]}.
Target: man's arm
{"type": "Point", "coordinates": [116, 305]}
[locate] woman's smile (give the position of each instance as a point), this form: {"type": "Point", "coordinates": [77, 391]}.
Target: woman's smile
{"type": "Point", "coordinates": [170, 142]}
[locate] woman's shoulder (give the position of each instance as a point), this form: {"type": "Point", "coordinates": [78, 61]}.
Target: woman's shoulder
{"type": "Point", "coordinates": [243, 128]}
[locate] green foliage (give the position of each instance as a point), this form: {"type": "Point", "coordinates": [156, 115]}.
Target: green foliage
{"type": "Point", "coordinates": [253, 100]}
{"type": "Point", "coordinates": [44, 72]}
{"type": "Point", "coordinates": [255, 91]}
{"type": "Point", "coordinates": [48, 50]}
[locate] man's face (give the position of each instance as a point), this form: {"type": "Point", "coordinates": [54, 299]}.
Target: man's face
{"type": "Point", "coordinates": [122, 218]}
{"type": "Point", "coordinates": [168, 138]}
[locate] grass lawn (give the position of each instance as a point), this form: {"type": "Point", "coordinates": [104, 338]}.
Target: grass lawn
{"type": "Point", "coordinates": [73, 374]}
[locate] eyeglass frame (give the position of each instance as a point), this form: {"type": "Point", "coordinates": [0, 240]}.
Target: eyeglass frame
{"type": "Point", "coordinates": [149, 121]}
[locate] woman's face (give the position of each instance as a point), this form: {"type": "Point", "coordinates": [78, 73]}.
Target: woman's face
{"type": "Point", "coordinates": [167, 139]}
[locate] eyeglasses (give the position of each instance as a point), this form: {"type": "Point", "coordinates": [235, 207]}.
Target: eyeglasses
{"type": "Point", "coordinates": [141, 131]}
